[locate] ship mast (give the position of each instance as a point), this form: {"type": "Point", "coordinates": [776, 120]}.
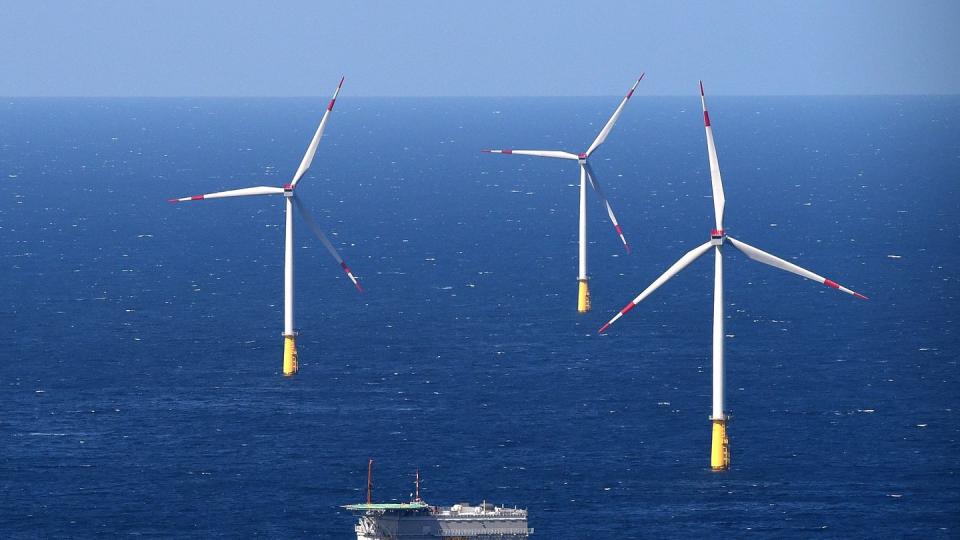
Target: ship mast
{"type": "Point", "coordinates": [417, 498]}
{"type": "Point", "coordinates": [370, 482]}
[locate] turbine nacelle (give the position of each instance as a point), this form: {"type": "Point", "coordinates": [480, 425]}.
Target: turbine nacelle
{"type": "Point", "coordinates": [716, 237]}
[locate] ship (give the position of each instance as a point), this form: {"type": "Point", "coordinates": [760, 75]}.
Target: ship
{"type": "Point", "coordinates": [417, 520]}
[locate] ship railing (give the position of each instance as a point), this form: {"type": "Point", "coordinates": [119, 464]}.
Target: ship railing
{"type": "Point", "coordinates": [466, 533]}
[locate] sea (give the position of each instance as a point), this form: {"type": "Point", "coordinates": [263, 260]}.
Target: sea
{"type": "Point", "coordinates": [140, 358]}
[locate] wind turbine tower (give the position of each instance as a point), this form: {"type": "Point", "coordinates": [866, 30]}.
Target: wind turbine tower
{"type": "Point", "coordinates": [290, 361]}
{"type": "Point", "coordinates": [586, 175]}
{"type": "Point", "coordinates": [720, 445]}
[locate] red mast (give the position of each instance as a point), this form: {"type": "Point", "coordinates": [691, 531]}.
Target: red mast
{"type": "Point", "coordinates": [370, 482]}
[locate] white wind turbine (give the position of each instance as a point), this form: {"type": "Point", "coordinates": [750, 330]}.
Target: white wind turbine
{"type": "Point", "coordinates": [290, 365]}
{"type": "Point", "coordinates": [586, 175]}
{"type": "Point", "coordinates": [720, 450]}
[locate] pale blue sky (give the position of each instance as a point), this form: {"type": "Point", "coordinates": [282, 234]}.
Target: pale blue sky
{"type": "Point", "coordinates": [429, 48]}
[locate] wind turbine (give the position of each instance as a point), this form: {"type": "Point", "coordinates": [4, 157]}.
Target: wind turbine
{"type": "Point", "coordinates": [720, 447]}
{"type": "Point", "coordinates": [586, 175]}
{"type": "Point", "coordinates": [289, 334]}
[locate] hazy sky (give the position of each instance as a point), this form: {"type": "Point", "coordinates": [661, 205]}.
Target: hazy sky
{"type": "Point", "coordinates": [429, 48]}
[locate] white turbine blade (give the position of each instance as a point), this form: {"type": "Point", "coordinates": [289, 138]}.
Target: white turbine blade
{"type": "Point", "coordinates": [245, 192]}
{"type": "Point", "coordinates": [596, 186]}
{"type": "Point", "coordinates": [539, 153]}
{"type": "Point", "coordinates": [326, 242]}
{"type": "Point", "coordinates": [613, 119]}
{"type": "Point", "coordinates": [312, 149]}
{"type": "Point", "coordinates": [766, 258]}
{"type": "Point", "coordinates": [672, 271]}
{"type": "Point", "coordinates": [715, 181]}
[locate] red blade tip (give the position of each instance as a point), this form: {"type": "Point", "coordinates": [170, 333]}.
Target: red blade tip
{"type": "Point", "coordinates": [603, 328]}
{"type": "Point", "coordinates": [173, 200]}
{"type": "Point", "coordinates": [860, 296]}
{"type": "Point", "coordinates": [635, 85]}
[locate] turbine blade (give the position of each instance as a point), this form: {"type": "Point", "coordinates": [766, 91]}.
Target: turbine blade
{"type": "Point", "coordinates": [613, 119]}
{"type": "Point", "coordinates": [715, 180]}
{"type": "Point", "coordinates": [539, 153]}
{"type": "Point", "coordinates": [596, 186]}
{"type": "Point", "coordinates": [672, 271]}
{"type": "Point", "coordinates": [326, 242]}
{"type": "Point", "coordinates": [245, 192]}
{"type": "Point", "coordinates": [776, 262]}
{"type": "Point", "coordinates": [312, 149]}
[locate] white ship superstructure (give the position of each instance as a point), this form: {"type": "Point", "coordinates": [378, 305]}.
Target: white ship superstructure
{"type": "Point", "coordinates": [420, 521]}
{"type": "Point", "coordinates": [417, 520]}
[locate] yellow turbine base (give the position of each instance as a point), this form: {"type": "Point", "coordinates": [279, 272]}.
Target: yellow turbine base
{"type": "Point", "coordinates": [720, 449]}
{"type": "Point", "coordinates": [583, 298]}
{"type": "Point", "coordinates": [290, 365]}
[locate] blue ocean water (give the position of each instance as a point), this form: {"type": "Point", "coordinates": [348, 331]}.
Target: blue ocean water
{"type": "Point", "coordinates": [141, 353]}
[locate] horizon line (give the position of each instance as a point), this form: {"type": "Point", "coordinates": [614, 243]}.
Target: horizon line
{"type": "Point", "coordinates": [488, 96]}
